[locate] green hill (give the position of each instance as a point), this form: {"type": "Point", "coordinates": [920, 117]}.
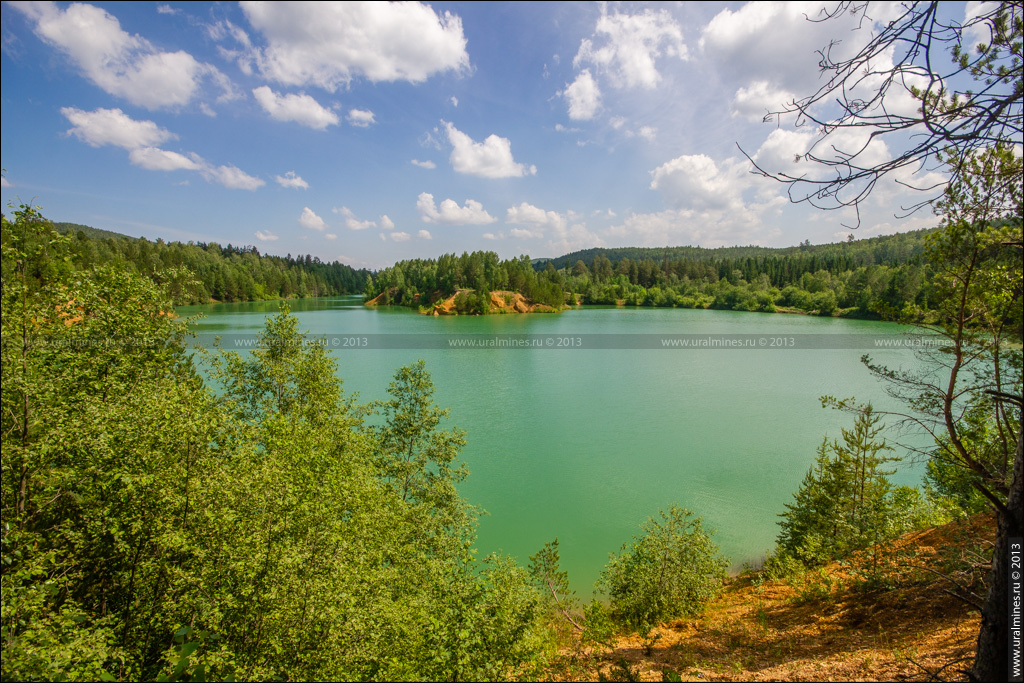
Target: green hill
{"type": "Point", "coordinates": [198, 272]}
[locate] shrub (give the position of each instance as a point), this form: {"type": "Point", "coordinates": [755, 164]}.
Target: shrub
{"type": "Point", "coordinates": [674, 569]}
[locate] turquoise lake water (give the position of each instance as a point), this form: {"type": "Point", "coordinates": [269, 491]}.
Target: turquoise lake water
{"type": "Point", "coordinates": [584, 443]}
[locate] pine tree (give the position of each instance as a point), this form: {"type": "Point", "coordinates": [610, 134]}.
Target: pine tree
{"type": "Point", "coordinates": [841, 505]}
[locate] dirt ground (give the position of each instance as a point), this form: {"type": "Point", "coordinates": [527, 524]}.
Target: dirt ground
{"type": "Point", "coordinates": [825, 626]}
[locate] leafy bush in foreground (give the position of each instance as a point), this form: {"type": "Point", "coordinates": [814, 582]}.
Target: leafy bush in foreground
{"type": "Point", "coordinates": [673, 570]}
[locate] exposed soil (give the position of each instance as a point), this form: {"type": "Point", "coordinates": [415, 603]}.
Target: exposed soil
{"type": "Point", "coordinates": [823, 627]}
{"type": "Point", "coordinates": [501, 302]}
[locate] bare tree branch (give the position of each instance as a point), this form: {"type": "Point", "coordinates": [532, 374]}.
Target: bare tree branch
{"type": "Point", "coordinates": [969, 98]}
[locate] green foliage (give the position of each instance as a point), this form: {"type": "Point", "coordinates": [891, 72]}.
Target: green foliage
{"type": "Point", "coordinates": [779, 566]}
{"type": "Point", "coordinates": [153, 530]}
{"type": "Point", "coordinates": [104, 423]}
{"type": "Point", "coordinates": [844, 502]}
{"type": "Point", "coordinates": [472, 303]}
{"type": "Point", "coordinates": [839, 255]}
{"type": "Point", "coordinates": [559, 602]}
{"type": "Point", "coordinates": [672, 570]}
{"type": "Point", "coordinates": [415, 458]}
{"type": "Point", "coordinates": [949, 481]}
{"type": "Point", "coordinates": [197, 656]}
{"type": "Point", "coordinates": [978, 279]}
{"type": "Point", "coordinates": [813, 586]}
{"type": "Point", "coordinates": [908, 509]}
{"type": "Point", "coordinates": [864, 278]}
{"type": "Point", "coordinates": [670, 676]}
{"type": "Point", "coordinates": [471, 277]}
{"type": "Point", "coordinates": [196, 272]}
{"type": "Point", "coordinates": [45, 640]}
{"type": "Point", "coordinates": [976, 271]}
{"type": "Point", "coordinates": [285, 374]}
{"type": "Point", "coordinates": [598, 624]}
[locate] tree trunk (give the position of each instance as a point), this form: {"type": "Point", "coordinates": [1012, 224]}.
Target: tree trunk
{"type": "Point", "coordinates": [991, 662]}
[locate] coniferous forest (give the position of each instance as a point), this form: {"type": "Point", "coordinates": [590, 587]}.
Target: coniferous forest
{"type": "Point", "coordinates": [875, 277]}
{"type": "Point", "coordinates": [871, 278]}
{"type": "Point", "coordinates": [200, 272]}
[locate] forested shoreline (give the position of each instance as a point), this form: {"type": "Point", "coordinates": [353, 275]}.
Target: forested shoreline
{"type": "Point", "coordinates": [158, 529]}
{"type": "Point", "coordinates": [196, 273]}
{"type": "Point", "coordinates": [880, 277]}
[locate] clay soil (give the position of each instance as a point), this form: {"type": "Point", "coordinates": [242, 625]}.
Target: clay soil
{"type": "Point", "coordinates": [501, 302]}
{"type": "Point", "coordinates": [823, 627]}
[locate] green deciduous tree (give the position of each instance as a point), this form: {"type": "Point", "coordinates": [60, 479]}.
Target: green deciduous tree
{"type": "Point", "coordinates": [416, 458]}
{"type": "Point", "coordinates": [672, 570]}
{"type": "Point", "coordinates": [155, 530]}
{"type": "Point", "coordinates": [104, 429]}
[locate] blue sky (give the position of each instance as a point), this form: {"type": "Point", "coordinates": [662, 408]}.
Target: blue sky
{"type": "Point", "coordinates": [372, 133]}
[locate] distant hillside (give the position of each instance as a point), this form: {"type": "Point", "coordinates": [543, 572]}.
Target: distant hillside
{"type": "Point", "coordinates": [198, 272]}
{"type": "Point", "coordinates": [72, 228]}
{"type": "Point", "coordinates": [884, 250]}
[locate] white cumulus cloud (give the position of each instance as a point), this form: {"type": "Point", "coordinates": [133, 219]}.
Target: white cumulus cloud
{"type": "Point", "coordinates": [758, 99]}
{"type": "Point", "coordinates": [386, 223]}
{"type": "Point", "coordinates": [328, 44]}
{"type": "Point", "coordinates": [572, 238]}
{"type": "Point", "coordinates": [155, 159]}
{"type": "Point", "coordinates": [627, 46]}
{"type": "Point", "coordinates": [121, 64]}
{"type": "Point", "coordinates": [450, 213]}
{"type": "Point", "coordinates": [310, 220]}
{"type": "Point", "coordinates": [232, 177]}
{"type": "Point", "coordinates": [772, 47]}
{"type": "Point", "coordinates": [563, 233]}
{"type": "Point", "coordinates": [696, 181]}
{"type": "Point", "coordinates": [648, 132]}
{"type": "Point", "coordinates": [704, 228]}
{"type": "Point", "coordinates": [491, 158]}
{"type": "Point", "coordinates": [424, 235]}
{"type": "Point", "coordinates": [583, 96]}
{"type": "Point", "coordinates": [301, 109]}
{"type": "Point", "coordinates": [526, 234]}
{"type": "Point", "coordinates": [265, 236]}
{"type": "Point", "coordinates": [400, 237]}
{"type": "Point", "coordinates": [430, 165]}
{"type": "Point", "coordinates": [352, 222]}
{"type": "Point", "coordinates": [360, 118]}
{"type": "Point", "coordinates": [290, 179]}
{"type": "Point", "coordinates": [536, 218]}
{"type": "Point", "coordinates": [114, 127]}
